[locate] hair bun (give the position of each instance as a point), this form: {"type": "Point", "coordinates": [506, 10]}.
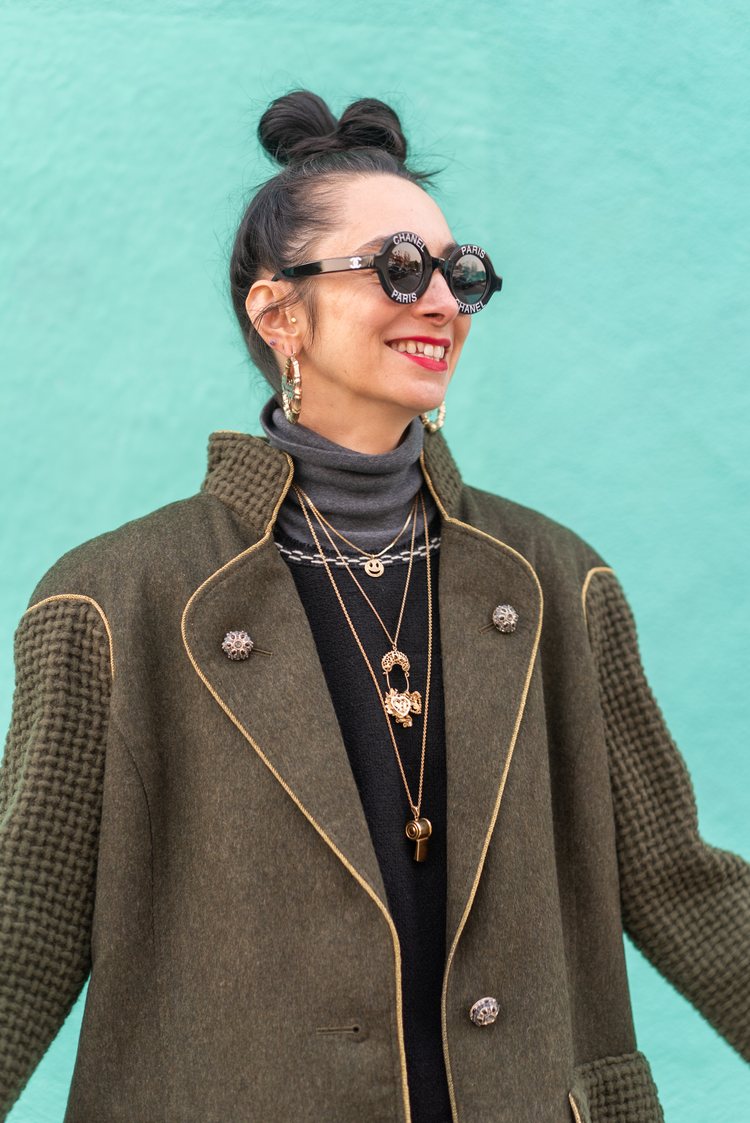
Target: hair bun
{"type": "Point", "coordinates": [370, 123]}
{"type": "Point", "coordinates": [300, 124]}
{"type": "Point", "coordinates": [294, 124]}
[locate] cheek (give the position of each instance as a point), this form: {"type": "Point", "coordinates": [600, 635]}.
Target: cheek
{"type": "Point", "coordinates": [356, 316]}
{"type": "Point", "coordinates": [333, 329]}
{"type": "Point", "coordinates": [463, 326]}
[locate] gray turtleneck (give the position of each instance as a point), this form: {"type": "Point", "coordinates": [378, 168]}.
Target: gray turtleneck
{"type": "Point", "coordinates": [365, 495]}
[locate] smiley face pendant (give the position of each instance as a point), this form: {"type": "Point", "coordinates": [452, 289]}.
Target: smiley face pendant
{"type": "Point", "coordinates": [374, 567]}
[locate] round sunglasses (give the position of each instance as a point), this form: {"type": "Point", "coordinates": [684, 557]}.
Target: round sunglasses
{"type": "Point", "coordinates": [405, 269]}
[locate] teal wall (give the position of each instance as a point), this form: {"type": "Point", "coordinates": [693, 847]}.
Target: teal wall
{"type": "Point", "coordinates": [600, 152]}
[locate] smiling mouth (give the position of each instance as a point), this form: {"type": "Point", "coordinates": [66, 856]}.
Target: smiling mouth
{"type": "Point", "coordinates": [414, 347]}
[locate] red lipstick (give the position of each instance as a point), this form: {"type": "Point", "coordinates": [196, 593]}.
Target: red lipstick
{"type": "Point", "coordinates": [421, 339]}
{"type": "Point", "coordinates": [423, 360]}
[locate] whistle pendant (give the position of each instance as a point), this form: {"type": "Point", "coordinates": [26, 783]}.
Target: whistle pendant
{"type": "Point", "coordinates": [418, 831]}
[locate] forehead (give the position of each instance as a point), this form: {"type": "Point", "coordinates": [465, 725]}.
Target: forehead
{"type": "Point", "coordinates": [372, 206]}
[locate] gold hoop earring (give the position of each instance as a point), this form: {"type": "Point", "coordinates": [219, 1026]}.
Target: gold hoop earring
{"type": "Point", "coordinates": [433, 426]}
{"type": "Point", "coordinates": [291, 390]}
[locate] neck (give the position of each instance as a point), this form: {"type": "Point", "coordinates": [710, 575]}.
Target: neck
{"type": "Point", "coordinates": [366, 495]}
{"type": "Point", "coordinates": [351, 422]}
{"type": "Point", "coordinates": [351, 434]}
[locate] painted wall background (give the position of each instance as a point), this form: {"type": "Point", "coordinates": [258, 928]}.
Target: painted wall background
{"type": "Point", "coordinates": [600, 152]}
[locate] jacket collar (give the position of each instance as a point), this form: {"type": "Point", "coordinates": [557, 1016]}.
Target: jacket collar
{"type": "Point", "coordinates": [251, 476]}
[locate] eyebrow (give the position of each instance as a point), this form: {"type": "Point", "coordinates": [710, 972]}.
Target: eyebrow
{"type": "Point", "coordinates": [376, 242]}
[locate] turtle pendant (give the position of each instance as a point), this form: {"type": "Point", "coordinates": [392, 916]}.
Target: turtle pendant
{"type": "Point", "coordinates": [400, 704]}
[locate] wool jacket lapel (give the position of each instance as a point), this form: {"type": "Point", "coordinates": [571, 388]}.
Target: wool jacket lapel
{"type": "Point", "coordinates": [280, 702]}
{"type": "Point", "coordinates": [486, 674]}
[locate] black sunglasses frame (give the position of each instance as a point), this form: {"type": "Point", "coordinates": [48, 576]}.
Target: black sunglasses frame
{"type": "Point", "coordinates": [379, 262]}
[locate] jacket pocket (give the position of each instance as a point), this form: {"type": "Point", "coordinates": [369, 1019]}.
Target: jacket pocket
{"type": "Point", "coordinates": [617, 1088]}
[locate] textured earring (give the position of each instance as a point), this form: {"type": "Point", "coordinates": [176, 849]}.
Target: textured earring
{"type": "Point", "coordinates": [291, 390]}
{"type": "Point", "coordinates": [433, 426]}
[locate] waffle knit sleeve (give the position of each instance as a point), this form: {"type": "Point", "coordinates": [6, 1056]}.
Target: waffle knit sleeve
{"type": "Point", "coordinates": [50, 806]}
{"type": "Point", "coordinates": [685, 904]}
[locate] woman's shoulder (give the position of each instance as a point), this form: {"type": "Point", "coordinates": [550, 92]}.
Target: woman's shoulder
{"type": "Point", "coordinates": [546, 542]}
{"type": "Point", "coordinates": [148, 543]}
{"type": "Point", "coordinates": [549, 545]}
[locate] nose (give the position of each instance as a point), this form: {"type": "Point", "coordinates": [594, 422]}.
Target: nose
{"type": "Point", "coordinates": [437, 299]}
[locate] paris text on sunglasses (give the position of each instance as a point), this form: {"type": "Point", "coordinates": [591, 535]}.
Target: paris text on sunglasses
{"type": "Point", "coordinates": [405, 268]}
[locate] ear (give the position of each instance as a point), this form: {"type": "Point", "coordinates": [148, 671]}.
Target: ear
{"type": "Point", "coordinates": [276, 323]}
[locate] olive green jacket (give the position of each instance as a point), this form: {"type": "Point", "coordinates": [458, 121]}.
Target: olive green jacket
{"type": "Point", "coordinates": [186, 827]}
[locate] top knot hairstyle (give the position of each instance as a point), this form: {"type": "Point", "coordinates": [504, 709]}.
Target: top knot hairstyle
{"type": "Point", "coordinates": [300, 125]}
{"type": "Point", "coordinates": [298, 205]}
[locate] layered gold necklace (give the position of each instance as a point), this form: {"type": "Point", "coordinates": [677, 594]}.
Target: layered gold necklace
{"type": "Point", "coordinates": [396, 704]}
{"type": "Point", "coordinates": [373, 567]}
{"type": "Point", "coordinates": [400, 704]}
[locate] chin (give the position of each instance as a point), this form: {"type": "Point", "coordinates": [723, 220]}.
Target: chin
{"type": "Point", "coordinates": [425, 394]}
{"type": "Point", "coordinates": [417, 403]}
{"type": "Point", "coordinates": [425, 403]}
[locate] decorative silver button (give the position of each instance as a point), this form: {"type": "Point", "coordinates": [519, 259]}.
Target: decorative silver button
{"type": "Point", "coordinates": [237, 645]}
{"type": "Point", "coordinates": [505, 618]}
{"type": "Point", "coordinates": [484, 1011]}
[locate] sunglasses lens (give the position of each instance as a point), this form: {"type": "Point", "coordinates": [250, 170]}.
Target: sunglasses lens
{"type": "Point", "coordinates": [469, 279]}
{"type": "Point", "coordinates": [404, 267]}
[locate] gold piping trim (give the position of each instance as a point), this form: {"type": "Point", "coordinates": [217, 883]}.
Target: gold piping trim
{"type": "Point", "coordinates": [358, 877]}
{"type": "Point", "coordinates": [99, 609]}
{"type": "Point", "coordinates": [574, 1106]}
{"type": "Point", "coordinates": [587, 582]}
{"type": "Point", "coordinates": [503, 778]}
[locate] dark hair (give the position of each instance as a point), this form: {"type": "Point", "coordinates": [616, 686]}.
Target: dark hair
{"type": "Point", "coordinates": [290, 211]}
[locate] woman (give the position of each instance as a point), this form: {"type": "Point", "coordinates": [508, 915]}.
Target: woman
{"type": "Point", "coordinates": [343, 777]}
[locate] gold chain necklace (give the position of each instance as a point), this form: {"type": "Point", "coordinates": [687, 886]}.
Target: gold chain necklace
{"type": "Point", "coordinates": [418, 829]}
{"type": "Point", "coordinates": [400, 704]}
{"type": "Point", "coordinates": [373, 567]}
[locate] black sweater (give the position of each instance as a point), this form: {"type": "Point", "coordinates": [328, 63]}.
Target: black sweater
{"type": "Point", "coordinates": [416, 890]}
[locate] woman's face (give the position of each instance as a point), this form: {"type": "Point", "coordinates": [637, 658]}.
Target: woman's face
{"type": "Point", "coordinates": [351, 375]}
